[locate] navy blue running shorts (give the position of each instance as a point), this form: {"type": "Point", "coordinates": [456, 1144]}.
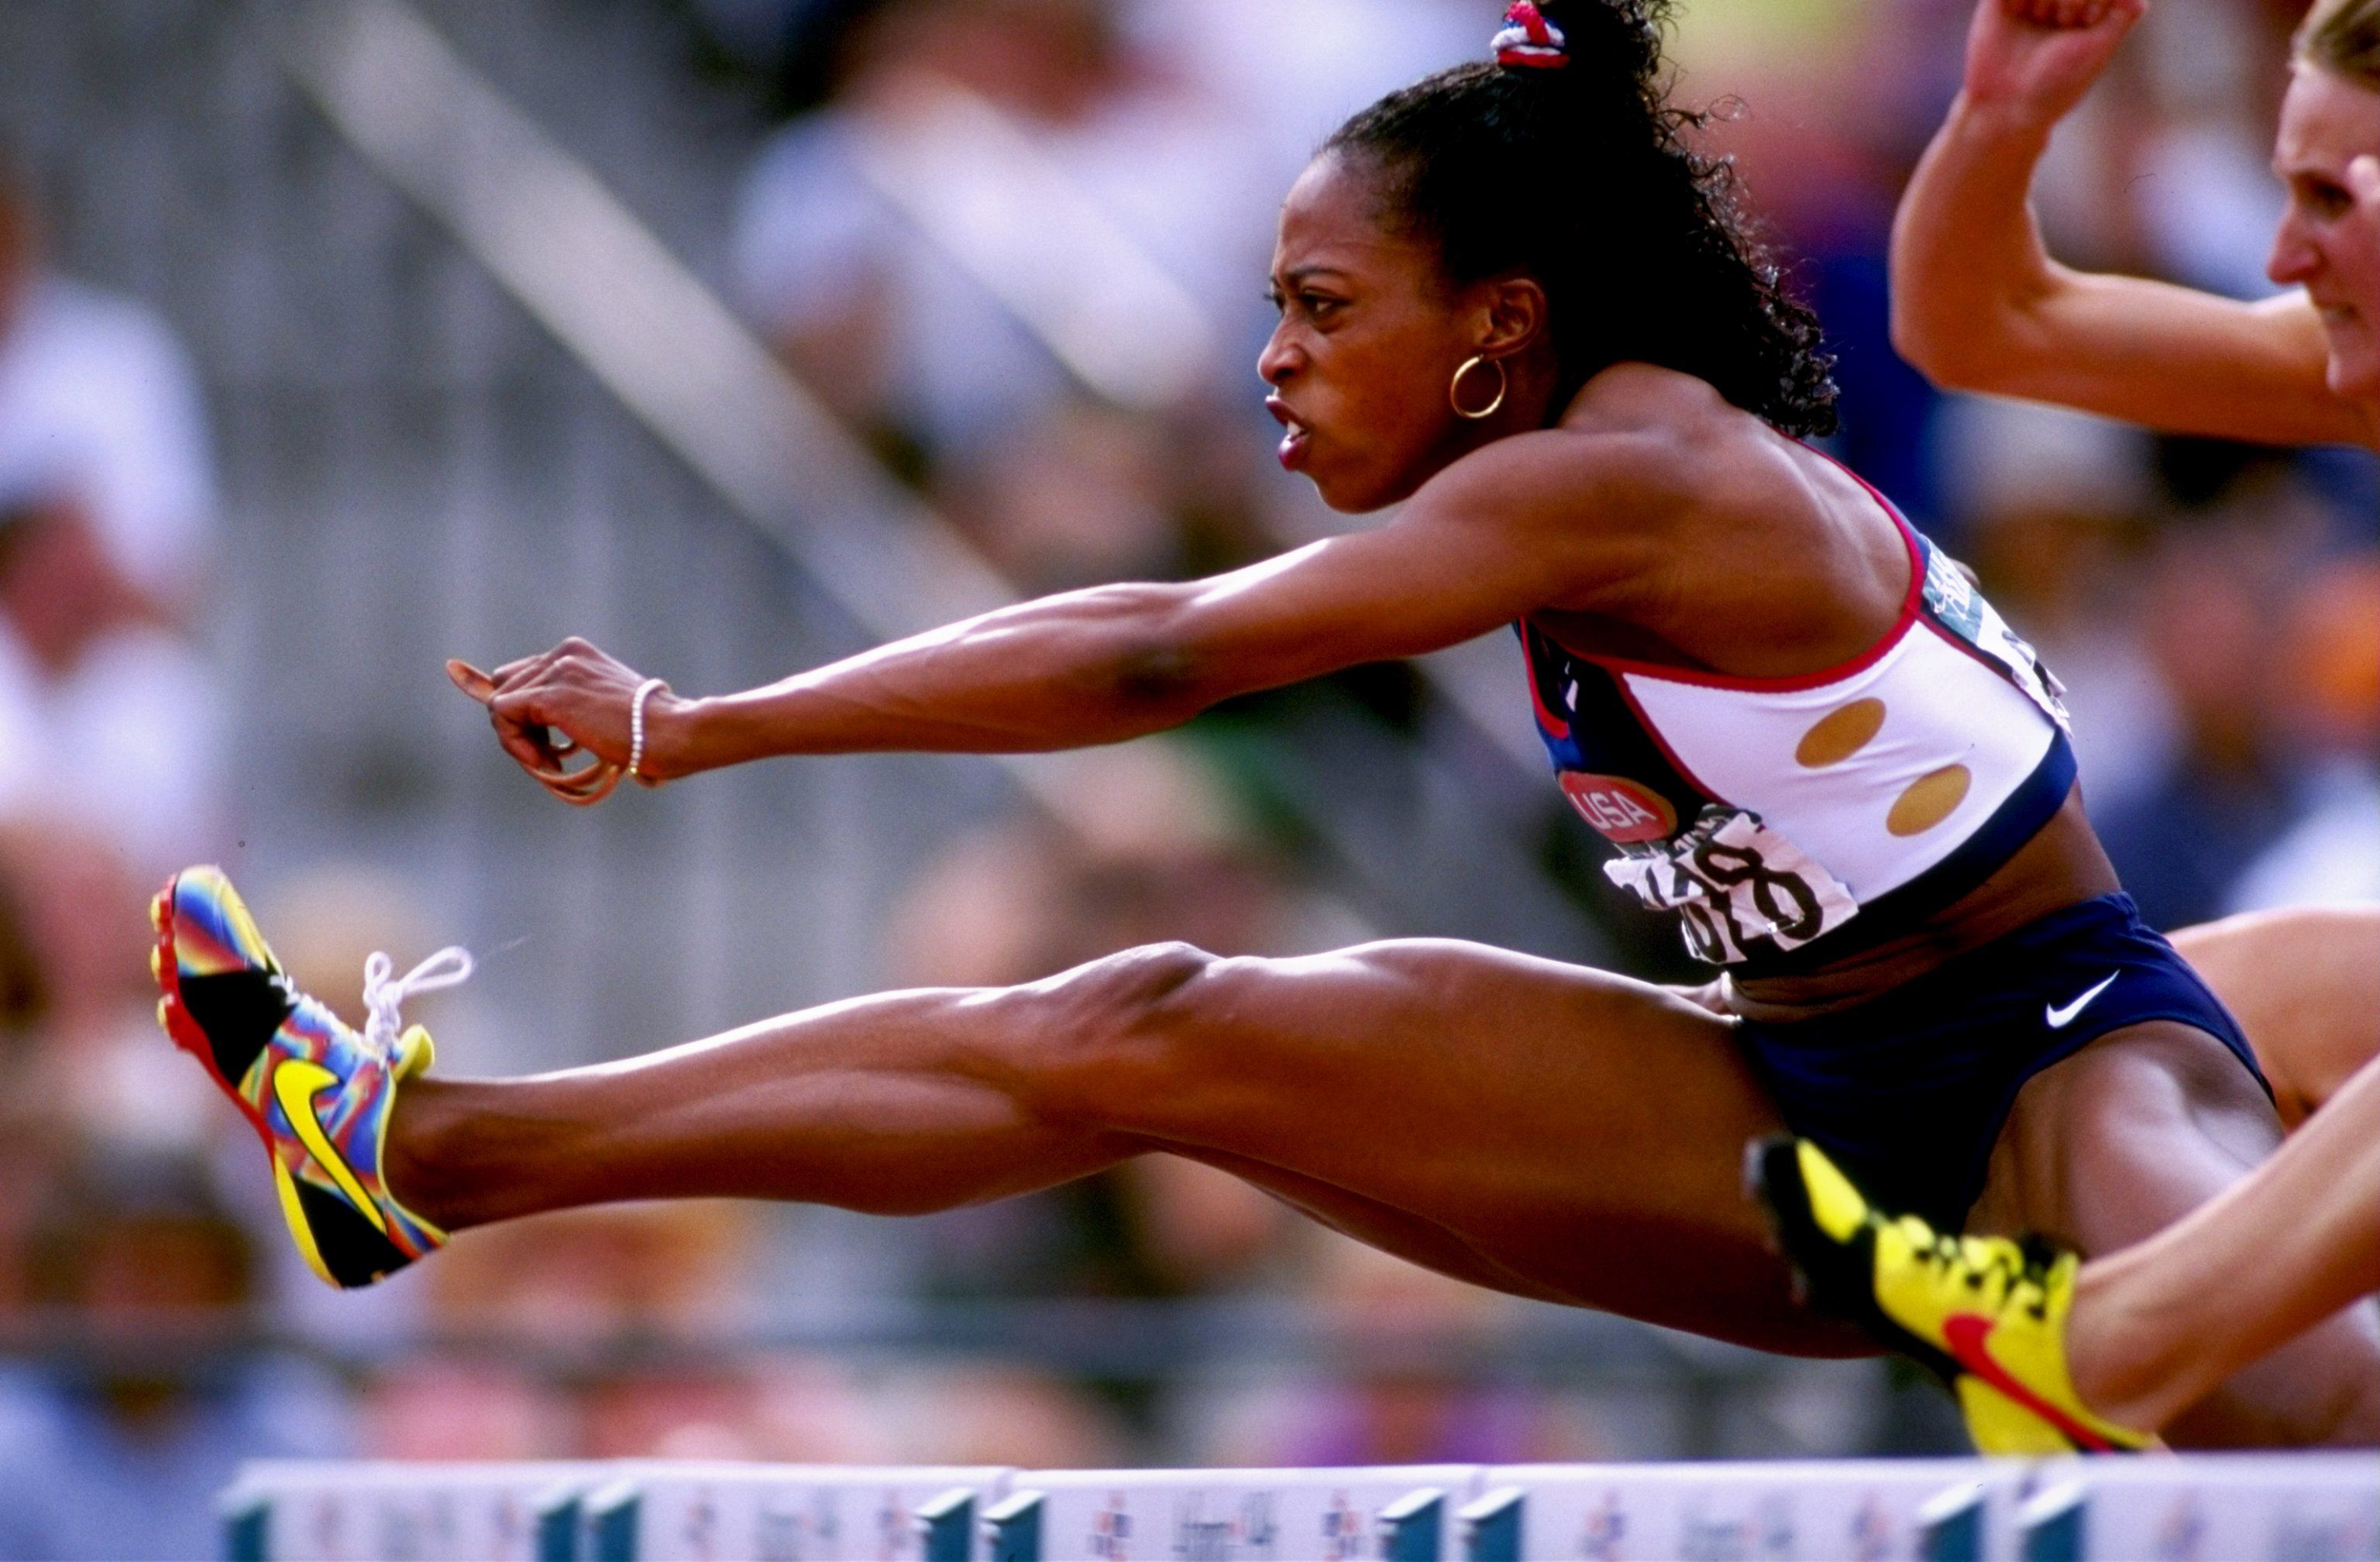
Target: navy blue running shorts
{"type": "Point", "coordinates": [1907, 1091]}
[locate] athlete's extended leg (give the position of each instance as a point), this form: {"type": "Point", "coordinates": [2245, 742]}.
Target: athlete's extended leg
{"type": "Point", "coordinates": [2127, 1135]}
{"type": "Point", "coordinates": [2304, 984]}
{"type": "Point", "coordinates": [2156, 1326]}
{"type": "Point", "coordinates": [1552, 1130]}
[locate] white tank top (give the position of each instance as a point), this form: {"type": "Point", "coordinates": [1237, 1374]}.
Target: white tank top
{"type": "Point", "coordinates": [1768, 813]}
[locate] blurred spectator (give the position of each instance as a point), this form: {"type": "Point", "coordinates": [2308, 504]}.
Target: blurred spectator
{"type": "Point", "coordinates": [2331, 655]}
{"type": "Point", "coordinates": [794, 46]}
{"type": "Point", "coordinates": [1162, 859]}
{"type": "Point", "coordinates": [460, 1408]}
{"type": "Point", "coordinates": [1075, 497]}
{"type": "Point", "coordinates": [2218, 586]}
{"type": "Point", "coordinates": [607, 1297]}
{"type": "Point", "coordinates": [1292, 70]}
{"type": "Point", "coordinates": [1824, 107]}
{"type": "Point", "coordinates": [584, 1278]}
{"type": "Point", "coordinates": [809, 1411]}
{"type": "Point", "coordinates": [1413, 1403]}
{"type": "Point", "coordinates": [998, 1413]}
{"type": "Point", "coordinates": [2051, 505]}
{"type": "Point", "coordinates": [888, 244]}
{"type": "Point", "coordinates": [2201, 138]}
{"type": "Point", "coordinates": [109, 718]}
{"type": "Point", "coordinates": [99, 403]}
{"type": "Point", "coordinates": [116, 1451]}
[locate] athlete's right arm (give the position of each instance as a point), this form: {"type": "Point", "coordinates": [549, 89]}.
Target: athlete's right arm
{"type": "Point", "coordinates": [1978, 304]}
{"type": "Point", "coordinates": [1494, 536]}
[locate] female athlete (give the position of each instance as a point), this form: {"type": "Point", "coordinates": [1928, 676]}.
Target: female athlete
{"type": "Point", "coordinates": [1513, 300]}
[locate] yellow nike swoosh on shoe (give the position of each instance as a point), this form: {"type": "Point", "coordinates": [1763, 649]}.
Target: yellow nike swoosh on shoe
{"type": "Point", "coordinates": [295, 1085]}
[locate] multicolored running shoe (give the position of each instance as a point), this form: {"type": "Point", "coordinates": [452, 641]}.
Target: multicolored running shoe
{"type": "Point", "coordinates": [317, 1092]}
{"type": "Point", "coordinates": [1986, 1314]}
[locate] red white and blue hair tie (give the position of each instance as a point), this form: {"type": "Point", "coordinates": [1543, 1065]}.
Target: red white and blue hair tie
{"type": "Point", "coordinates": [1529, 39]}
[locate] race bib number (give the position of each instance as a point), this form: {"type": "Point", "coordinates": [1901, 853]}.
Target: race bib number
{"type": "Point", "coordinates": [1733, 881]}
{"type": "Point", "coordinates": [1961, 609]}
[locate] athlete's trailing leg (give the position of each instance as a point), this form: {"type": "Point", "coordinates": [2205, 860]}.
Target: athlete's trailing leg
{"type": "Point", "coordinates": [2046, 1354]}
{"type": "Point", "coordinates": [2305, 983]}
{"type": "Point", "coordinates": [2129, 1136]}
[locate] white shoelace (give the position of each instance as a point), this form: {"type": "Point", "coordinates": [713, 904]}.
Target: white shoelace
{"type": "Point", "coordinates": [450, 967]}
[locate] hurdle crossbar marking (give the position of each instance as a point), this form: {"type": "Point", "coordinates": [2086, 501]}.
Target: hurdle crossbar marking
{"type": "Point", "coordinates": [2240, 1507]}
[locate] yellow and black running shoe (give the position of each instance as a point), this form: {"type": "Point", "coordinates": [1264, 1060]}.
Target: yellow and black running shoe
{"type": "Point", "coordinates": [1986, 1314]}
{"type": "Point", "coordinates": [318, 1092]}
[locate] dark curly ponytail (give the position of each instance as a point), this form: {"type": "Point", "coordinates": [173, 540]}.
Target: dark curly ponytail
{"type": "Point", "coordinates": [1582, 177]}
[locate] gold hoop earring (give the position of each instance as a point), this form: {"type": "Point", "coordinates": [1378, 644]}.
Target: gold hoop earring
{"type": "Point", "coordinates": [1454, 391]}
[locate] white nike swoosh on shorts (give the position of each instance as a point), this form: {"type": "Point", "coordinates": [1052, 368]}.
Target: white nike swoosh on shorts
{"type": "Point", "coordinates": [2060, 1018]}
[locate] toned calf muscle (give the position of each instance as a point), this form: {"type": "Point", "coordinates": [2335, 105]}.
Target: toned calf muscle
{"type": "Point", "coordinates": [900, 1104]}
{"type": "Point", "coordinates": [2304, 983]}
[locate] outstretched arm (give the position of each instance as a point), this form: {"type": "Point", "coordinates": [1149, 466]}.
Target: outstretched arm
{"type": "Point", "coordinates": [1494, 536]}
{"type": "Point", "coordinates": [1979, 305]}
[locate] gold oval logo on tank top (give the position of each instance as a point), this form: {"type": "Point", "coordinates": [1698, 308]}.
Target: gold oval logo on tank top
{"type": "Point", "coordinates": [1839, 733]}
{"type": "Point", "coordinates": [1929, 800]}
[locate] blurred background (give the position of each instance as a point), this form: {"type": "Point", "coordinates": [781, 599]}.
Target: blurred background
{"type": "Point", "coordinates": [339, 337]}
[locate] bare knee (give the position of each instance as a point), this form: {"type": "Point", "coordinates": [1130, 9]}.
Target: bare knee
{"type": "Point", "coordinates": [1084, 1045]}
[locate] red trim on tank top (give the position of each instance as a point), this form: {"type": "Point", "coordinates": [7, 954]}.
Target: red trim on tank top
{"type": "Point", "coordinates": [1835, 674]}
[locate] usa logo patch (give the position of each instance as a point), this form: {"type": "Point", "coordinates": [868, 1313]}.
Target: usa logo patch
{"type": "Point", "coordinates": [1621, 810]}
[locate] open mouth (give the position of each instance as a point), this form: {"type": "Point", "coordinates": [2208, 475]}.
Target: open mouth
{"type": "Point", "coordinates": [1295, 439]}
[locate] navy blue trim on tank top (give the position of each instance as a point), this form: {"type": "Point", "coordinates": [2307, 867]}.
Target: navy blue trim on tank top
{"type": "Point", "coordinates": [1600, 732]}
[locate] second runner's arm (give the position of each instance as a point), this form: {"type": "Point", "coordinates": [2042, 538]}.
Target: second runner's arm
{"type": "Point", "coordinates": [1978, 304]}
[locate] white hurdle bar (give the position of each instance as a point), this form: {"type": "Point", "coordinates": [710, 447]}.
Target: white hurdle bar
{"type": "Point", "coordinates": [2251, 1508]}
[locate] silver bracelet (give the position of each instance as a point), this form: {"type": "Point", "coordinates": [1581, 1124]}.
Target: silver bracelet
{"type": "Point", "coordinates": [637, 724]}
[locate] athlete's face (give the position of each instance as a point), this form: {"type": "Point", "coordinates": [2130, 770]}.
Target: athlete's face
{"type": "Point", "coordinates": [2326, 244]}
{"type": "Point", "coordinates": [1369, 342]}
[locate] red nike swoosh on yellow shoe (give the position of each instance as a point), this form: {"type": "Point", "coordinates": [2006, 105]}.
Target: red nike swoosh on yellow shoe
{"type": "Point", "coordinates": [1968, 1336]}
